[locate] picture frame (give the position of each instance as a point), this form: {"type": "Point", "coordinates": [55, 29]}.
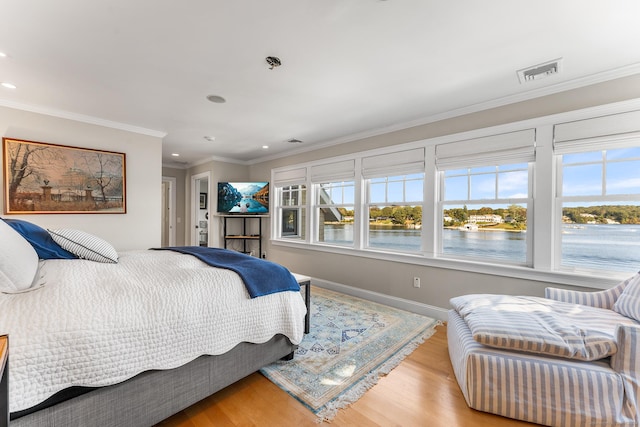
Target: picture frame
{"type": "Point", "coordinates": [44, 178]}
{"type": "Point", "coordinates": [203, 200]}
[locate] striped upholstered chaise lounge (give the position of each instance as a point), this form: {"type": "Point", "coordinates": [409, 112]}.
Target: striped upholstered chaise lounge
{"type": "Point", "coordinates": [570, 359]}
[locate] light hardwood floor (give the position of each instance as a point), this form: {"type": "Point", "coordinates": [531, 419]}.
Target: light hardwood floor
{"type": "Point", "coordinates": [421, 391]}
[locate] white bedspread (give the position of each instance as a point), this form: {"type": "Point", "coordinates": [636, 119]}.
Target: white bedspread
{"type": "Point", "coordinates": [96, 324]}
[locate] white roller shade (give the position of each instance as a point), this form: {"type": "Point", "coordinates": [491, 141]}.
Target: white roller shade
{"type": "Point", "coordinates": [289, 177]}
{"type": "Point", "coordinates": [401, 162]}
{"type": "Point", "coordinates": [512, 147]}
{"type": "Point", "coordinates": [606, 132]}
{"type": "Point", "coordinates": [336, 171]}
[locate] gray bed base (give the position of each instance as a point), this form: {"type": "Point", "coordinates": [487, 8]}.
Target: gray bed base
{"type": "Point", "coordinates": [153, 396]}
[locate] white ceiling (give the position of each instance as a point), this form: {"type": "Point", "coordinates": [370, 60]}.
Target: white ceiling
{"type": "Point", "coordinates": [349, 67]}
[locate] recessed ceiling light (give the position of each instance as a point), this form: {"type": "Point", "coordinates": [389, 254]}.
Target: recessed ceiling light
{"type": "Point", "coordinates": [8, 85]}
{"type": "Point", "coordinates": [217, 99]}
{"type": "Point", "coordinates": [3, 55]}
{"type": "Point", "coordinates": [175, 154]}
{"type": "Point", "coordinates": [210, 138]}
{"type": "Point", "coordinates": [265, 147]}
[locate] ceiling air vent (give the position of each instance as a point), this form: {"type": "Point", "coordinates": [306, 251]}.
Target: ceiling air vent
{"type": "Point", "coordinates": [294, 141]}
{"type": "Point", "coordinates": [540, 71]}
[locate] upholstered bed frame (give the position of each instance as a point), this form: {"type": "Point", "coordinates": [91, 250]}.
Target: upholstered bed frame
{"type": "Point", "coordinates": [153, 396]}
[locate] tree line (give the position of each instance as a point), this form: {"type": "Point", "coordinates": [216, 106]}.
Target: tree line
{"type": "Point", "coordinates": [515, 215]}
{"type": "Point", "coordinates": [624, 214]}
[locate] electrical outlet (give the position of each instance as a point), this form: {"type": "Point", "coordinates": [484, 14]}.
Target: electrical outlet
{"type": "Point", "coordinates": [264, 255]}
{"type": "Point", "coordinates": [416, 282]}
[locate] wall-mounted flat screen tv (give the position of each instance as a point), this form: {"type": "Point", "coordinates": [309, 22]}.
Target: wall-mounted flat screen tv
{"type": "Point", "coordinates": [243, 198]}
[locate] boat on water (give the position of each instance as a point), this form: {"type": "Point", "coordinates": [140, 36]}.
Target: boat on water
{"type": "Point", "coordinates": [468, 227]}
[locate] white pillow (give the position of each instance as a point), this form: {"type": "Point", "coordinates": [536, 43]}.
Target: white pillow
{"type": "Point", "coordinates": [85, 245]}
{"type": "Point", "coordinates": [18, 261]}
{"type": "Point", "coordinates": [628, 303]}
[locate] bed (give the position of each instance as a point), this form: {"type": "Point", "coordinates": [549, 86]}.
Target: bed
{"type": "Point", "coordinates": [130, 338]}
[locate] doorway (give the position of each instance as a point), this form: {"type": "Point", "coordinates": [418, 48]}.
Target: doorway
{"type": "Point", "coordinates": [200, 202]}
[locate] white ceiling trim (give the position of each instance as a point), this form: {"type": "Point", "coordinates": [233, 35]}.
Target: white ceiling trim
{"type": "Point", "coordinates": [82, 118]}
{"type": "Point", "coordinates": [498, 102]}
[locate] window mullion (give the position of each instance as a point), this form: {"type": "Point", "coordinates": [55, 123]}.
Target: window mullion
{"type": "Point", "coordinates": [604, 172]}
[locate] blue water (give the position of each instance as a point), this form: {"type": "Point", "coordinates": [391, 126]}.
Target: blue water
{"type": "Point", "coordinates": [506, 245]}
{"type": "Point", "coordinates": [608, 247]}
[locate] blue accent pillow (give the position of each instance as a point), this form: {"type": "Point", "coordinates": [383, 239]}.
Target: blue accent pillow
{"type": "Point", "coordinates": [40, 239]}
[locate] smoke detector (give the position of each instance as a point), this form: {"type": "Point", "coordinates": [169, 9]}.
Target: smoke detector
{"type": "Point", "coordinates": [540, 71]}
{"type": "Point", "coordinates": [273, 61]}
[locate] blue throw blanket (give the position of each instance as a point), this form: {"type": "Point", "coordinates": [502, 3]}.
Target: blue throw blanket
{"type": "Point", "coordinates": [259, 276]}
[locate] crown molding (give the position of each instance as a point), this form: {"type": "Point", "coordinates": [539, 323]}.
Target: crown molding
{"type": "Point", "coordinates": [474, 108]}
{"type": "Point", "coordinates": [81, 118]}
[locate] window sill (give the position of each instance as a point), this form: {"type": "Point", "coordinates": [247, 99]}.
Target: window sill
{"type": "Point", "coordinates": [591, 279]}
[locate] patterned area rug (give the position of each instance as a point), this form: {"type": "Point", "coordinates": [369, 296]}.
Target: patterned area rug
{"type": "Point", "coordinates": [352, 343]}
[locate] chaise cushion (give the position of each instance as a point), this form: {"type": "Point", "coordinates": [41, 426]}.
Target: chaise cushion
{"type": "Point", "coordinates": [628, 303]}
{"type": "Point", "coordinates": [541, 326]}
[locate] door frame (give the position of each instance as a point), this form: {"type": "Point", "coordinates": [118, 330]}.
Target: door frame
{"type": "Point", "coordinates": [195, 207]}
{"type": "Point", "coordinates": [171, 204]}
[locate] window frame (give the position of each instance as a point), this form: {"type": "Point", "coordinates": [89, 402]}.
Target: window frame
{"type": "Point", "coordinates": [298, 208]}
{"type": "Point", "coordinates": [277, 225]}
{"type": "Point", "coordinates": [367, 205]}
{"type": "Point", "coordinates": [603, 198]}
{"type": "Point", "coordinates": [316, 206]}
{"type": "Point", "coordinates": [527, 201]}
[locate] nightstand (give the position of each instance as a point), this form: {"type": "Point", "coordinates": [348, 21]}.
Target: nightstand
{"type": "Point", "coordinates": [306, 282]}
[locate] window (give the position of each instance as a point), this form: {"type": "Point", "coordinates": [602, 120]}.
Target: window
{"type": "Point", "coordinates": [599, 195]}
{"type": "Point", "coordinates": [484, 212]}
{"type": "Point", "coordinates": [291, 204]}
{"type": "Point", "coordinates": [293, 201]}
{"type": "Point", "coordinates": [334, 209]}
{"type": "Point", "coordinates": [485, 197]}
{"type": "Point", "coordinates": [395, 212]}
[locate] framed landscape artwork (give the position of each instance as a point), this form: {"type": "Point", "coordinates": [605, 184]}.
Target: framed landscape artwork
{"type": "Point", "coordinates": [48, 178]}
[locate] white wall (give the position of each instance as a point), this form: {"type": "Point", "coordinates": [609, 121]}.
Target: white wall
{"type": "Point", "coordinates": [140, 227]}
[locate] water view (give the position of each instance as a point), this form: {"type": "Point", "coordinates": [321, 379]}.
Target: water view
{"type": "Point", "coordinates": [593, 246]}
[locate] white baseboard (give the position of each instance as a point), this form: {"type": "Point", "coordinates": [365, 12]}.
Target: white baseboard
{"type": "Point", "coordinates": [400, 303]}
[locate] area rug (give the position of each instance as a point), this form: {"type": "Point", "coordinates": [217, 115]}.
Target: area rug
{"type": "Point", "coordinates": [352, 343]}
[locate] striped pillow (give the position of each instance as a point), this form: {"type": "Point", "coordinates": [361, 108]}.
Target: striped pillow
{"type": "Point", "coordinates": [85, 245]}
{"type": "Point", "coordinates": [628, 303]}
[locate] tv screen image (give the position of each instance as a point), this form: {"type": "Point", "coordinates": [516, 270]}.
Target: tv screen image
{"type": "Point", "coordinates": [249, 198]}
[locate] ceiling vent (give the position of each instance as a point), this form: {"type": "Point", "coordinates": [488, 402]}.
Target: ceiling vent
{"type": "Point", "coordinates": [294, 141]}
{"type": "Point", "coordinates": [540, 71]}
